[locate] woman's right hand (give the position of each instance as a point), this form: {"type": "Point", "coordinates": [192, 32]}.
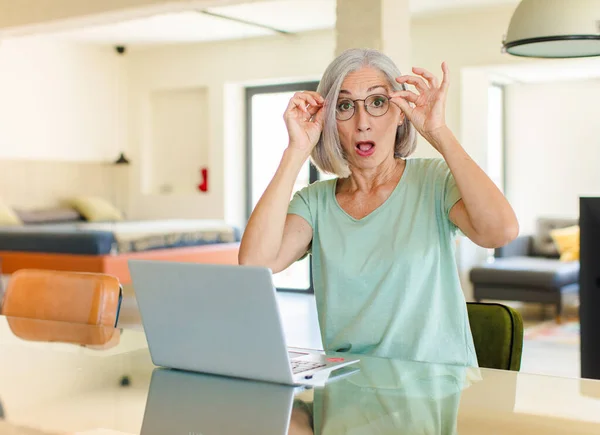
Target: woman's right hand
{"type": "Point", "coordinates": [304, 118]}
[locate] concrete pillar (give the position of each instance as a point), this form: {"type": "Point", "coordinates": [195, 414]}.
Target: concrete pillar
{"type": "Point", "coordinates": [380, 24]}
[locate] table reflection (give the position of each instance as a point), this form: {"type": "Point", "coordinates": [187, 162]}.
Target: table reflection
{"type": "Point", "coordinates": [382, 397]}
{"type": "Point", "coordinates": [386, 397]}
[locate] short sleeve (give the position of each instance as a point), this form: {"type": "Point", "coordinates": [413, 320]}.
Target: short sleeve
{"type": "Point", "coordinates": [451, 193]}
{"type": "Point", "coordinates": [299, 205]}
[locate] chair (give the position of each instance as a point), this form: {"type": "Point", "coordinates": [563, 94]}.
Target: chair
{"type": "Point", "coordinates": [498, 335]}
{"type": "Point", "coordinates": [73, 297]}
{"type": "Point", "coordinates": [67, 307]}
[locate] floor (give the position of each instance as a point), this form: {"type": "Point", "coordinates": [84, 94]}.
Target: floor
{"type": "Point", "coordinates": [550, 358]}
{"type": "Point", "coordinates": [299, 316]}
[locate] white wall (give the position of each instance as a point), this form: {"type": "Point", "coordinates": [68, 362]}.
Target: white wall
{"type": "Point", "coordinates": [35, 184]}
{"type": "Point", "coordinates": [179, 145]}
{"type": "Point", "coordinates": [223, 69]}
{"type": "Point", "coordinates": [464, 39]}
{"type": "Point", "coordinates": [552, 148]}
{"type": "Point", "coordinates": [60, 101]}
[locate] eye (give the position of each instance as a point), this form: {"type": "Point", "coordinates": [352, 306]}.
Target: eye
{"type": "Point", "coordinates": [345, 105]}
{"type": "Point", "coordinates": [378, 101]}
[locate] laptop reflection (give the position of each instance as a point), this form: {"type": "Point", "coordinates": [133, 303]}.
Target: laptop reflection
{"type": "Point", "coordinates": [181, 402]}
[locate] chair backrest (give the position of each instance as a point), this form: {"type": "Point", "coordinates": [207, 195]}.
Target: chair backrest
{"type": "Point", "coordinates": [74, 297]}
{"type": "Point", "coordinates": [498, 335]}
{"type": "Point", "coordinates": [97, 337]}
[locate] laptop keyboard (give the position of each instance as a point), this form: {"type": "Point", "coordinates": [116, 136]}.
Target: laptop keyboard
{"type": "Point", "coordinates": [303, 366]}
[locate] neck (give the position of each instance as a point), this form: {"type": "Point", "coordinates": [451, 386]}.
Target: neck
{"type": "Point", "coordinates": [367, 180]}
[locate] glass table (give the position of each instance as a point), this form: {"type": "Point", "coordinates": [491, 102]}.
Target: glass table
{"type": "Point", "coordinates": [60, 378]}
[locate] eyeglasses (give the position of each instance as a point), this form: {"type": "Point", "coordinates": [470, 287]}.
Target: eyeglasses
{"type": "Point", "coordinates": [375, 105]}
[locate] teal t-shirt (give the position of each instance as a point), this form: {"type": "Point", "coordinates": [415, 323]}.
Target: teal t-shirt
{"type": "Point", "coordinates": [387, 284]}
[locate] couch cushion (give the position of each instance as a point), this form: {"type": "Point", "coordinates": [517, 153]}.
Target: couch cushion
{"type": "Point", "coordinates": [543, 273]}
{"type": "Point", "coordinates": [543, 245]}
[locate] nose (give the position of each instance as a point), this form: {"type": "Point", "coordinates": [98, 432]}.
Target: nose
{"type": "Point", "coordinates": [362, 118]}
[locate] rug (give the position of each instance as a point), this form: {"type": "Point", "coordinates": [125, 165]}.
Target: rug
{"type": "Point", "coordinates": [551, 332]}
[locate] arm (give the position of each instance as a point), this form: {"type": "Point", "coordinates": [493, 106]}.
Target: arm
{"type": "Point", "coordinates": [273, 238]}
{"type": "Point", "coordinates": [483, 214]}
{"type": "Point", "coordinates": [301, 420]}
{"type": "Point", "coordinates": [520, 247]}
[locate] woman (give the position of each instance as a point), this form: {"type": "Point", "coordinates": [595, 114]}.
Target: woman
{"type": "Point", "coordinates": [381, 233]}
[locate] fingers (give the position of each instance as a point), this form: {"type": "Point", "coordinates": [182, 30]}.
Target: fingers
{"type": "Point", "coordinates": [417, 82]}
{"type": "Point", "coordinates": [445, 78]}
{"type": "Point", "coordinates": [319, 117]}
{"type": "Point", "coordinates": [431, 79]}
{"type": "Point", "coordinates": [307, 102]}
{"type": "Point", "coordinates": [405, 95]}
{"type": "Point", "coordinates": [315, 95]}
{"type": "Point", "coordinates": [403, 102]}
{"type": "Point", "coordinates": [297, 107]}
{"type": "Point", "coordinates": [312, 98]}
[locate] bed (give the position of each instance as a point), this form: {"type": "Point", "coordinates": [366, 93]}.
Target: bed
{"type": "Point", "coordinates": [106, 247]}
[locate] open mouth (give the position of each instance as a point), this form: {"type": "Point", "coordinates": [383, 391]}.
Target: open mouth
{"type": "Point", "coordinates": [365, 148]}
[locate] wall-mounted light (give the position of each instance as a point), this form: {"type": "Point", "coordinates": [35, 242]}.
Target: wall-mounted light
{"type": "Point", "coordinates": [554, 29]}
{"type": "Point", "coordinates": [122, 160]}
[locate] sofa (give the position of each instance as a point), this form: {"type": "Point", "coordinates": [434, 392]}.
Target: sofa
{"type": "Point", "coordinates": [529, 269]}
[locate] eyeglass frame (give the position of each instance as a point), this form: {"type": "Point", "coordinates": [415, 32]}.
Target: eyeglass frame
{"type": "Point", "coordinates": [365, 105]}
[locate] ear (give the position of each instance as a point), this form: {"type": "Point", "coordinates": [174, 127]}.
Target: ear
{"type": "Point", "coordinates": [401, 119]}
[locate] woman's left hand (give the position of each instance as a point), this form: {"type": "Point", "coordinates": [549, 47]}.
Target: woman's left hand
{"type": "Point", "coordinates": [426, 108]}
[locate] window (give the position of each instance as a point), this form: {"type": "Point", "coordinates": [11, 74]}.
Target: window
{"type": "Point", "coordinates": [495, 143]}
{"type": "Point", "coordinates": [267, 138]}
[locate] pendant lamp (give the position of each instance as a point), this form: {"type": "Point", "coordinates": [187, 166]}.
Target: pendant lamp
{"type": "Point", "coordinates": [554, 29]}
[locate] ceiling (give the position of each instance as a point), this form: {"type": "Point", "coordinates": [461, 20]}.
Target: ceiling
{"type": "Point", "coordinates": [269, 16]}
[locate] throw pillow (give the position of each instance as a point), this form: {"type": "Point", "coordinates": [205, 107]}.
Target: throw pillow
{"type": "Point", "coordinates": [567, 242]}
{"type": "Point", "coordinates": [95, 209]}
{"type": "Point", "coordinates": [8, 217]}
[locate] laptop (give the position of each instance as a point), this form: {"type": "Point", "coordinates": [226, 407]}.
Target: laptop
{"type": "Point", "coordinates": [181, 402]}
{"type": "Point", "coordinates": [220, 319]}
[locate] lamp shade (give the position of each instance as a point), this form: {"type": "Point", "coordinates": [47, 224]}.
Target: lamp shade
{"type": "Point", "coordinates": [554, 29]}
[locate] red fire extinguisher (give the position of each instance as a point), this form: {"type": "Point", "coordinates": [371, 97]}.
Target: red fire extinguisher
{"type": "Point", "coordinates": [203, 186]}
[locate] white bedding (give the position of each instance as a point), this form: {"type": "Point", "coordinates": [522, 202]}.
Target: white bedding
{"type": "Point", "coordinates": [143, 235]}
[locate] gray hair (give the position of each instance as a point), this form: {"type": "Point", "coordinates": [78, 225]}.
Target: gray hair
{"type": "Point", "coordinates": [328, 154]}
